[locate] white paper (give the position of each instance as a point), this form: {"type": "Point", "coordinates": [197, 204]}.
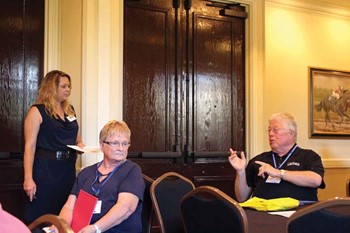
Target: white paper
{"type": "Point", "coordinates": [86, 149]}
{"type": "Point", "coordinates": [47, 229]}
{"type": "Point", "coordinates": [286, 214]}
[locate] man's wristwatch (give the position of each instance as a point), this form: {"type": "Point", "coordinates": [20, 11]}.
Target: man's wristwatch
{"type": "Point", "coordinates": [97, 229]}
{"type": "Point", "coordinates": [282, 173]}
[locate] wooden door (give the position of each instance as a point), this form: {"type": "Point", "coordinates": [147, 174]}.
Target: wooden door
{"type": "Point", "coordinates": [184, 87]}
{"type": "Point", "coordinates": [21, 66]}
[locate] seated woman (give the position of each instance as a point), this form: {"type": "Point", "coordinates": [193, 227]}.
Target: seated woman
{"type": "Point", "coordinates": [115, 181]}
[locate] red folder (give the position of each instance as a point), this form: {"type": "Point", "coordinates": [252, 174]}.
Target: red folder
{"type": "Point", "coordinates": [83, 210]}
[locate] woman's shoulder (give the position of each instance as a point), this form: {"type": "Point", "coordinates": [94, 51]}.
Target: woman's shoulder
{"type": "Point", "coordinates": [88, 169]}
{"type": "Point", "coordinates": [132, 167]}
{"type": "Point", "coordinates": [35, 111]}
{"type": "Point", "coordinates": [40, 107]}
{"type": "Point", "coordinates": [132, 164]}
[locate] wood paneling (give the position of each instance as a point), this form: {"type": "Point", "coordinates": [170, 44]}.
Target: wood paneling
{"type": "Point", "coordinates": [148, 80]}
{"type": "Point", "coordinates": [218, 87]}
{"type": "Point", "coordinates": [21, 66]}
{"type": "Point", "coordinates": [184, 87]}
{"type": "Point", "coordinates": [11, 185]}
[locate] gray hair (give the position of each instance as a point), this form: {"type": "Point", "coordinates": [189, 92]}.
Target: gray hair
{"type": "Point", "coordinates": [287, 120]}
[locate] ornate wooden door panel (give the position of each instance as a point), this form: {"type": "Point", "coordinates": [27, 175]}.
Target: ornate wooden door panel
{"type": "Point", "coordinates": [148, 75]}
{"type": "Point", "coordinates": [218, 82]}
{"type": "Point", "coordinates": [21, 65]}
{"type": "Point", "coordinates": [184, 87]}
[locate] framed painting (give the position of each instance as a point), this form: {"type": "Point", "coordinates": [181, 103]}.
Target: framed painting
{"type": "Point", "coordinates": [329, 103]}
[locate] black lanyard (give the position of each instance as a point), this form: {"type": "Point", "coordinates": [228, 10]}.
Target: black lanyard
{"type": "Point", "coordinates": [97, 191]}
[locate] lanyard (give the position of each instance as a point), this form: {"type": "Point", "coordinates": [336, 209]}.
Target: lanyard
{"type": "Point", "coordinates": [285, 160]}
{"type": "Point", "coordinates": [97, 191]}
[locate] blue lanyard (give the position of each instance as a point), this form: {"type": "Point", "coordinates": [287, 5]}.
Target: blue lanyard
{"type": "Point", "coordinates": [284, 161]}
{"type": "Point", "coordinates": [97, 192]}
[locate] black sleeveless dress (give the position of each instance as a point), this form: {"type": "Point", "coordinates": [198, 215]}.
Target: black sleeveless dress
{"type": "Point", "coordinates": [54, 178]}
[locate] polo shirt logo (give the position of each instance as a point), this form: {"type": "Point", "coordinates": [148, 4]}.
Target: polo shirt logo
{"type": "Point", "coordinates": [293, 164]}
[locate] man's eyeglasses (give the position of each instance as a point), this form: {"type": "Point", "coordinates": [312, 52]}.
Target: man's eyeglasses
{"type": "Point", "coordinates": [275, 130]}
{"type": "Point", "coordinates": [117, 144]}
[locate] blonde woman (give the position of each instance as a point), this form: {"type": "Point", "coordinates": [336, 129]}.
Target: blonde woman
{"type": "Point", "coordinates": [49, 165]}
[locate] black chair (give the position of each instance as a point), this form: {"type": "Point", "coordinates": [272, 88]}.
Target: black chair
{"type": "Point", "coordinates": [48, 220]}
{"type": "Point", "coordinates": [147, 208]}
{"type": "Point", "coordinates": [332, 215]}
{"type": "Point", "coordinates": [166, 193]}
{"type": "Point", "coordinates": [208, 210]}
{"type": "Point", "coordinates": [348, 188]}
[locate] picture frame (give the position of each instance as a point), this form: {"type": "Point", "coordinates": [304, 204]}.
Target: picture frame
{"type": "Point", "coordinates": [329, 98]}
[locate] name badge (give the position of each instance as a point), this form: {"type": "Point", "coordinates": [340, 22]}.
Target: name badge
{"type": "Point", "coordinates": [71, 118]}
{"type": "Point", "coordinates": [273, 180]}
{"type": "Point", "coordinates": [98, 206]}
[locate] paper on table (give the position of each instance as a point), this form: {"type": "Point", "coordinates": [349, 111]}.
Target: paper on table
{"type": "Point", "coordinates": [86, 149]}
{"type": "Point", "coordinates": [286, 214]}
{"type": "Point", "coordinates": [46, 229]}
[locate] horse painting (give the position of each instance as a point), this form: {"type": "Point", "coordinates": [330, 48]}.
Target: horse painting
{"type": "Point", "coordinates": [338, 106]}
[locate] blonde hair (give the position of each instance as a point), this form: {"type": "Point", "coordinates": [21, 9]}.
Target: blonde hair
{"type": "Point", "coordinates": [47, 94]}
{"type": "Point", "coordinates": [113, 128]}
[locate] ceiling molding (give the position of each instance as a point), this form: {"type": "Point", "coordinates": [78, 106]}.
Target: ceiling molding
{"type": "Point", "coordinates": [312, 6]}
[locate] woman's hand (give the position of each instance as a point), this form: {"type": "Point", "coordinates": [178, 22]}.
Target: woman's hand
{"type": "Point", "coordinates": [81, 145]}
{"type": "Point", "coordinates": [29, 187]}
{"type": "Point", "coordinates": [88, 229]}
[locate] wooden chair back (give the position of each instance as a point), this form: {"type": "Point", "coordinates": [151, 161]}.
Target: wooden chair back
{"type": "Point", "coordinates": [48, 220]}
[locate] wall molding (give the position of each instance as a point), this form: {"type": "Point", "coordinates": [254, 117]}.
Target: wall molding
{"type": "Point", "coordinates": [336, 163]}
{"type": "Point", "coordinates": [52, 52]}
{"type": "Point", "coordinates": [255, 49]}
{"type": "Point", "coordinates": [313, 7]}
{"type": "Point", "coordinates": [102, 69]}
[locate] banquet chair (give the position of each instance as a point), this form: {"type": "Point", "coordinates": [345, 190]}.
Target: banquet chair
{"type": "Point", "coordinates": [348, 188]}
{"type": "Point", "coordinates": [166, 193]}
{"type": "Point", "coordinates": [48, 220]}
{"type": "Point", "coordinates": [207, 209]}
{"type": "Point", "coordinates": [147, 208]}
{"type": "Point", "coordinates": [331, 215]}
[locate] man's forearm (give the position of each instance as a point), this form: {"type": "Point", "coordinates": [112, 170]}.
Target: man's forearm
{"type": "Point", "coordinates": [303, 178]}
{"type": "Point", "coordinates": [242, 190]}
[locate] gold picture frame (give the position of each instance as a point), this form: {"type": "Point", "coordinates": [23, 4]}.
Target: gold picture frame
{"type": "Point", "coordinates": [329, 103]}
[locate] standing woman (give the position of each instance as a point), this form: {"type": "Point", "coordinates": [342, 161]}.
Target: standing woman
{"type": "Point", "coordinates": [49, 165]}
